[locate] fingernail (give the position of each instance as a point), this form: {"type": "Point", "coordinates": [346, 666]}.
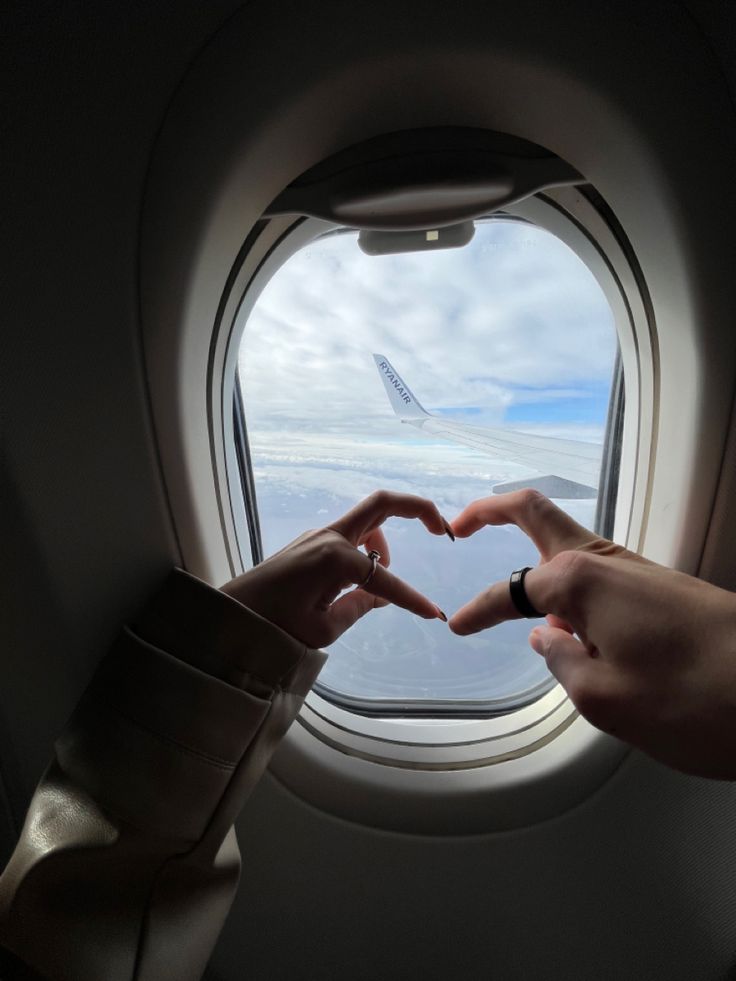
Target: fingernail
{"type": "Point", "coordinates": [442, 616]}
{"type": "Point", "coordinates": [448, 529]}
{"type": "Point", "coordinates": [536, 641]}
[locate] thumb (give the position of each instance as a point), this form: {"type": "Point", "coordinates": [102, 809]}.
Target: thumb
{"type": "Point", "coordinates": [567, 659]}
{"type": "Point", "coordinates": [593, 686]}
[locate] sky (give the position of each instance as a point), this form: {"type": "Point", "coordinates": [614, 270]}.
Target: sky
{"type": "Point", "coordinates": [511, 330]}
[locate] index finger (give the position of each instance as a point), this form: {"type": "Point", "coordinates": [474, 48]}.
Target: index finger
{"type": "Point", "coordinates": [385, 585]}
{"type": "Point", "coordinates": [379, 506]}
{"type": "Point", "coordinates": [550, 529]}
{"type": "Point", "coordinates": [561, 588]}
{"type": "Point", "coordinates": [388, 586]}
{"type": "Point", "coordinates": [494, 605]}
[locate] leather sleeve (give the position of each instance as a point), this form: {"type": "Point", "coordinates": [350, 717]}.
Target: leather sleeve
{"type": "Point", "coordinates": [127, 863]}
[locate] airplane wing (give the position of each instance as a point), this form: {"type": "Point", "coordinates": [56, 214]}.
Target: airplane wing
{"type": "Point", "coordinates": [569, 468]}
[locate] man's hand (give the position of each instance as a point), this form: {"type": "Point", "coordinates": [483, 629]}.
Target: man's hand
{"type": "Point", "coordinates": [654, 656]}
{"type": "Point", "coordinates": [297, 588]}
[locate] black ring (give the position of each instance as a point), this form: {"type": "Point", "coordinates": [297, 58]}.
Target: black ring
{"type": "Point", "coordinates": [518, 594]}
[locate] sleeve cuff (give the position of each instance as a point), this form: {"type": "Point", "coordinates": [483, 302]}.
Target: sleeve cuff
{"type": "Point", "coordinates": [211, 631]}
{"type": "Point", "coordinates": [176, 705]}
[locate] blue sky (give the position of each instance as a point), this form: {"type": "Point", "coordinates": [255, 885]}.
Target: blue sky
{"type": "Point", "coordinates": [512, 329]}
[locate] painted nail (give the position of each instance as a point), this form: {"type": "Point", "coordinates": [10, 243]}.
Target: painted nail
{"type": "Point", "coordinates": [448, 529]}
{"type": "Point", "coordinates": [443, 618]}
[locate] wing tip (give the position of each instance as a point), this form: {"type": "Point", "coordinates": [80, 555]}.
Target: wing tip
{"type": "Point", "coordinates": [551, 486]}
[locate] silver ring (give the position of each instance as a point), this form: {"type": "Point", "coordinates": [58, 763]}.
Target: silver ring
{"type": "Point", "coordinates": [374, 556]}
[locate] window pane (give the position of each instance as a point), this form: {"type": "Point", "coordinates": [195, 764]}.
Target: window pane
{"type": "Point", "coordinates": [511, 332]}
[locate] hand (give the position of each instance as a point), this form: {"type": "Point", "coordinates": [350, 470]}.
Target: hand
{"type": "Point", "coordinates": [297, 588]}
{"type": "Point", "coordinates": [655, 662]}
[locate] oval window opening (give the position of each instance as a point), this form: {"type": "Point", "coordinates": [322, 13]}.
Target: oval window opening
{"type": "Point", "coordinates": [450, 374]}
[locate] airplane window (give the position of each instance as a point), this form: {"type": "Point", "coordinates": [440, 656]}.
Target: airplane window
{"type": "Point", "coordinates": [453, 374]}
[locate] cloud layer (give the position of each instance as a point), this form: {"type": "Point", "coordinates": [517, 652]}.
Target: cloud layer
{"type": "Point", "coordinates": [515, 317]}
{"type": "Point", "coordinates": [513, 326]}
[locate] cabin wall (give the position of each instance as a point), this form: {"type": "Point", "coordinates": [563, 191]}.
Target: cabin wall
{"type": "Point", "coordinates": [85, 526]}
{"type": "Point", "coordinates": [637, 882]}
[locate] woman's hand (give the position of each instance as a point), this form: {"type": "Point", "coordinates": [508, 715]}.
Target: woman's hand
{"type": "Point", "coordinates": [297, 588]}
{"type": "Point", "coordinates": [655, 662]}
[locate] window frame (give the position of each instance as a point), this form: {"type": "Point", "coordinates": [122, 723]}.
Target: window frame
{"type": "Point", "coordinates": [537, 738]}
{"type": "Point", "coordinates": [542, 212]}
{"type": "Point", "coordinates": [419, 708]}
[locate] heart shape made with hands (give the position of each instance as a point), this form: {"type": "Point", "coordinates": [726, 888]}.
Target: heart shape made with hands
{"type": "Point", "coordinates": [549, 529]}
{"type": "Point", "coordinates": [302, 587]}
{"type": "Point", "coordinates": [619, 602]}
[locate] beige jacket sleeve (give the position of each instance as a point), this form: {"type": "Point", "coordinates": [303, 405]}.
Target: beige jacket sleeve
{"type": "Point", "coordinates": [127, 863]}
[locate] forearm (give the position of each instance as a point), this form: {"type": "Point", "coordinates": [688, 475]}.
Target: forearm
{"type": "Point", "coordinates": [127, 861]}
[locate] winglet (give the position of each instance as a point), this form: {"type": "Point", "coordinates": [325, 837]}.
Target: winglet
{"type": "Point", "coordinates": [401, 397]}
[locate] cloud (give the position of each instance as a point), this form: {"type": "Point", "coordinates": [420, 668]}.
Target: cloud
{"type": "Point", "coordinates": [514, 317]}
{"type": "Point", "coordinates": [513, 324]}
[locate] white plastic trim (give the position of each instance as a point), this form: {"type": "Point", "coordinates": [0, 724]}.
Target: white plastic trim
{"type": "Point", "coordinates": [495, 797]}
{"type": "Point", "coordinates": [499, 746]}
{"type": "Point", "coordinates": [639, 136]}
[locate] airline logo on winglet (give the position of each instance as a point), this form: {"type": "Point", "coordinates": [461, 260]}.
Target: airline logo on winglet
{"type": "Point", "coordinates": [402, 399]}
{"type": "Point", "coordinates": [385, 367]}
